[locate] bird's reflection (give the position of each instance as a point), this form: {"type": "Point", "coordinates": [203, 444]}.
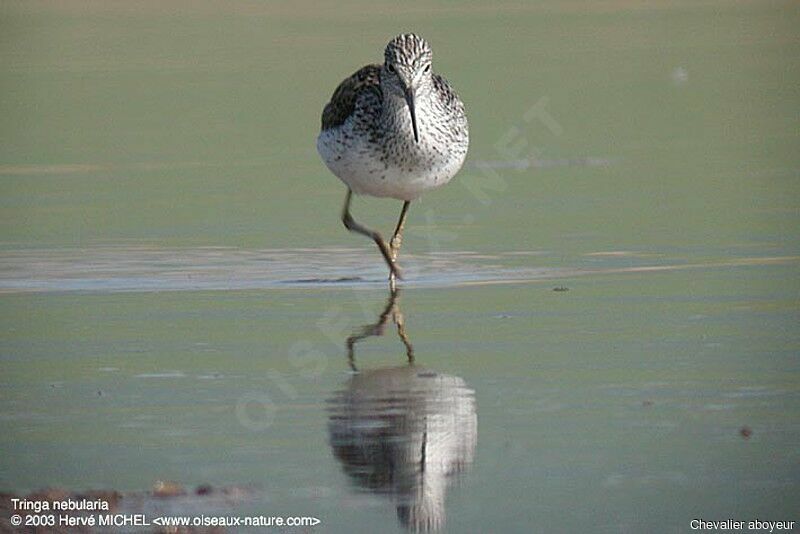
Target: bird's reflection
{"type": "Point", "coordinates": [403, 431]}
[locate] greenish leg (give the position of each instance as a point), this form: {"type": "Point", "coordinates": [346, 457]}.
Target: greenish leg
{"type": "Point", "coordinates": [375, 329]}
{"type": "Point", "coordinates": [353, 226]}
{"type": "Point", "coordinates": [397, 240]}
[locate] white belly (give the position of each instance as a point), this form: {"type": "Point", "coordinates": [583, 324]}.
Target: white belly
{"type": "Point", "coordinates": [358, 164]}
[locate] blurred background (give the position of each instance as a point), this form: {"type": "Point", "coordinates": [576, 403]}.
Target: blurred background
{"type": "Point", "coordinates": [194, 123]}
{"type": "Point", "coordinates": [643, 155]}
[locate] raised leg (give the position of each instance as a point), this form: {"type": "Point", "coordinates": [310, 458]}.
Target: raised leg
{"type": "Point", "coordinates": [397, 240]}
{"type": "Point", "coordinates": [353, 226]}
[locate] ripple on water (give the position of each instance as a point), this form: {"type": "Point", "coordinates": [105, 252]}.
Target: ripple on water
{"type": "Point", "coordinates": [141, 268]}
{"type": "Point", "coordinates": [165, 374]}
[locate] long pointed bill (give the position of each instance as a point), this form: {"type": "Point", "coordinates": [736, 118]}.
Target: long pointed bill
{"type": "Point", "coordinates": [410, 102]}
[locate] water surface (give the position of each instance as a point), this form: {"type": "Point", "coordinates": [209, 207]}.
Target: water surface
{"type": "Point", "coordinates": [602, 307]}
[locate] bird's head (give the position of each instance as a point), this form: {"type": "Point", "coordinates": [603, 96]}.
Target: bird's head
{"type": "Point", "coordinates": [407, 71]}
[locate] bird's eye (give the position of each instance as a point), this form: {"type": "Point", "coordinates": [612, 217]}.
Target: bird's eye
{"type": "Point", "coordinates": [390, 67]}
{"type": "Point", "coordinates": [428, 67]}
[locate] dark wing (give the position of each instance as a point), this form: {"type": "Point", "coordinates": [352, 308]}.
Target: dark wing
{"type": "Point", "coordinates": [448, 96]}
{"type": "Point", "coordinates": [453, 108]}
{"type": "Point", "coordinates": [343, 101]}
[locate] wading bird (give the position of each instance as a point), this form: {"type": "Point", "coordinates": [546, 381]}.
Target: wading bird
{"type": "Point", "coordinates": [394, 130]}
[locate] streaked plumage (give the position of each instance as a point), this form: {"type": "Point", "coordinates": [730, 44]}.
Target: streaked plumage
{"type": "Point", "coordinates": [394, 130]}
{"type": "Point", "coordinates": [367, 138]}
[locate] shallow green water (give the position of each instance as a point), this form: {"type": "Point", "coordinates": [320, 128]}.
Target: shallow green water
{"type": "Point", "coordinates": [170, 252]}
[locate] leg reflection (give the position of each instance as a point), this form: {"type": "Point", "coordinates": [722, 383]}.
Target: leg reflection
{"type": "Point", "coordinates": [403, 431]}
{"type": "Point", "coordinates": [390, 311]}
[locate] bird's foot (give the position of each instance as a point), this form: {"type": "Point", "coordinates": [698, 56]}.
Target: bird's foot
{"type": "Point", "coordinates": [394, 245]}
{"type": "Point", "coordinates": [394, 275]}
